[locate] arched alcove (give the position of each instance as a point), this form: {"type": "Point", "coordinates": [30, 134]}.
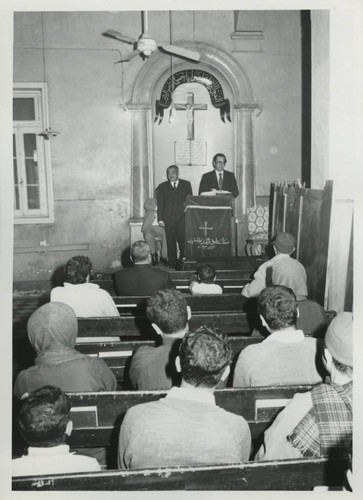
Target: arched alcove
{"type": "Point", "coordinates": [225, 68]}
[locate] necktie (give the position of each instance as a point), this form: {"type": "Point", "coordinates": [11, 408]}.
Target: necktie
{"type": "Point", "coordinates": [174, 185]}
{"type": "Point", "coordinates": [220, 182]}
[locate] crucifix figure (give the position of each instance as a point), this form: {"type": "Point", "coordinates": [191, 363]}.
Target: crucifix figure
{"type": "Point", "coordinates": [189, 107]}
{"type": "Point", "coordinates": [205, 228]}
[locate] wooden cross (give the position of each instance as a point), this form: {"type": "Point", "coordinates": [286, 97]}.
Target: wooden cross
{"type": "Point", "coordinates": [190, 107]}
{"type": "Point", "coordinates": [205, 228]}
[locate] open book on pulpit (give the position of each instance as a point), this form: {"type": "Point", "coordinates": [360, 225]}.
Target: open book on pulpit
{"type": "Point", "coordinates": [215, 192]}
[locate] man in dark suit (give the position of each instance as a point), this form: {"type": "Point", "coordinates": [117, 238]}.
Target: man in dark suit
{"type": "Point", "coordinates": [141, 278]}
{"type": "Point", "coordinates": [171, 196]}
{"type": "Point", "coordinates": [219, 179]}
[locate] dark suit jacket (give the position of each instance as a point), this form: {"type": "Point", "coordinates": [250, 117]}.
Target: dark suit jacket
{"type": "Point", "coordinates": [171, 202]}
{"type": "Point", "coordinates": [141, 279]}
{"type": "Point", "coordinates": [209, 181]}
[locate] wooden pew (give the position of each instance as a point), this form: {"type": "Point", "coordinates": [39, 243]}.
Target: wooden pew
{"type": "Point", "coordinates": [198, 303]}
{"type": "Point", "coordinates": [135, 326]}
{"type": "Point", "coordinates": [97, 416]}
{"type": "Point", "coordinates": [298, 474]}
{"type": "Point", "coordinates": [231, 280]}
{"type": "Point", "coordinates": [118, 354]}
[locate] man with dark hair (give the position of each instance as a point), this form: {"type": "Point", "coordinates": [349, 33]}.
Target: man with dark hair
{"type": "Point", "coordinates": [142, 278]}
{"type": "Point", "coordinates": [153, 368]}
{"type": "Point", "coordinates": [171, 196]}
{"type": "Point", "coordinates": [85, 298]}
{"type": "Point", "coordinates": [219, 179]}
{"type": "Point", "coordinates": [186, 427]}
{"type": "Point", "coordinates": [319, 422]}
{"type": "Point", "coordinates": [44, 422]}
{"type": "Point", "coordinates": [203, 281]}
{"type": "Point", "coordinates": [286, 356]}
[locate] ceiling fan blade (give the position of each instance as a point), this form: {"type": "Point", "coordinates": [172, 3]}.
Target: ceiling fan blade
{"type": "Point", "coordinates": [129, 56]}
{"type": "Point", "coordinates": [180, 51]}
{"type": "Point", "coordinates": [119, 36]}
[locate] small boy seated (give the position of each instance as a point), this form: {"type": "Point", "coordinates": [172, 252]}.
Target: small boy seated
{"type": "Point", "coordinates": [44, 422]}
{"type": "Point", "coordinates": [202, 283]}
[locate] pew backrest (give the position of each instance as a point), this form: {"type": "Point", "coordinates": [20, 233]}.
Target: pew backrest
{"type": "Point", "coordinates": [118, 354]}
{"type": "Point", "coordinates": [297, 474]}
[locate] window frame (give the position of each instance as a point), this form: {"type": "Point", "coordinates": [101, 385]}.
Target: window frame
{"type": "Point", "coordinates": [45, 214]}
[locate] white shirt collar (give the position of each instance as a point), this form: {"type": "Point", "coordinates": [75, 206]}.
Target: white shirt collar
{"type": "Point", "coordinates": [83, 285]}
{"type": "Point", "coordinates": [175, 182]}
{"type": "Point", "coordinates": [286, 336]}
{"type": "Point", "coordinates": [61, 449]}
{"type": "Point", "coordinates": [217, 174]}
{"type": "Point", "coordinates": [198, 395]}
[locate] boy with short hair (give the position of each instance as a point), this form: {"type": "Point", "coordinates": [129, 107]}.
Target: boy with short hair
{"type": "Point", "coordinates": [203, 281]}
{"type": "Point", "coordinates": [44, 422]}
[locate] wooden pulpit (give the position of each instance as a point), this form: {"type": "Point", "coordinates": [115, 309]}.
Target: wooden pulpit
{"type": "Point", "coordinates": [209, 227]}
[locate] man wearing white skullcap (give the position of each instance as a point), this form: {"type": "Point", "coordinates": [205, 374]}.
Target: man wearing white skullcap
{"type": "Point", "coordinates": [319, 422]}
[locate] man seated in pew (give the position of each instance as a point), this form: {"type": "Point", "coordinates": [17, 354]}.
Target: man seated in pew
{"type": "Point", "coordinates": [153, 368]}
{"type": "Point", "coordinates": [142, 278]}
{"type": "Point", "coordinates": [283, 245]}
{"type": "Point", "coordinates": [186, 427]}
{"type": "Point", "coordinates": [85, 298]}
{"type": "Point", "coordinates": [45, 422]}
{"type": "Point", "coordinates": [286, 356]}
{"type": "Point", "coordinates": [312, 319]}
{"type": "Point", "coordinates": [319, 422]}
{"type": "Point", "coordinates": [52, 331]}
{"type": "Point", "coordinates": [202, 283]}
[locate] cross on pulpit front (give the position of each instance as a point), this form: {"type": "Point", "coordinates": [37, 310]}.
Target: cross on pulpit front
{"type": "Point", "coordinates": [190, 106]}
{"type": "Point", "coordinates": [205, 228]}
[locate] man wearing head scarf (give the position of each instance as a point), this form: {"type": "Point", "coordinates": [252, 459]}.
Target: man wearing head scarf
{"type": "Point", "coordinates": [319, 422]}
{"type": "Point", "coordinates": [52, 331]}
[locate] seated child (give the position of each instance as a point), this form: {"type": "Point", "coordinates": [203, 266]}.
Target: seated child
{"type": "Point", "coordinates": [203, 282]}
{"type": "Point", "coordinates": [44, 422]}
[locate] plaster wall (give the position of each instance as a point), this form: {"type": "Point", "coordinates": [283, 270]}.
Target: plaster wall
{"type": "Point", "coordinates": [91, 157]}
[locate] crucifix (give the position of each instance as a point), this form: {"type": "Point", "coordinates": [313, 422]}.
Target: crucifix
{"type": "Point", "coordinates": [190, 107]}
{"type": "Point", "coordinates": [205, 228]}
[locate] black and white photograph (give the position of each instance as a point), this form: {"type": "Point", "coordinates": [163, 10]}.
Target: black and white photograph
{"type": "Point", "coordinates": [178, 245]}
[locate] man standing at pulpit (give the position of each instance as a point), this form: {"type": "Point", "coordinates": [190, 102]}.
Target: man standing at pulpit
{"type": "Point", "coordinates": [219, 179]}
{"type": "Point", "coordinates": [171, 196]}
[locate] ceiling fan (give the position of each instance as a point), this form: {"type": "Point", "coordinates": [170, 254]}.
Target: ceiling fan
{"type": "Point", "coordinates": [146, 45]}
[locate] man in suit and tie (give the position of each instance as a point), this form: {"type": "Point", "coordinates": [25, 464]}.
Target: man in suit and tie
{"type": "Point", "coordinates": [171, 196]}
{"type": "Point", "coordinates": [219, 179]}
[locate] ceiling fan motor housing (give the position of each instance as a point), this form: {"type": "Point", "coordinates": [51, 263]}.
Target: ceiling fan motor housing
{"type": "Point", "coordinates": [146, 45]}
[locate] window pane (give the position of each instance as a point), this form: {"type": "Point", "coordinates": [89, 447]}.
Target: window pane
{"type": "Point", "coordinates": [30, 145]}
{"type": "Point", "coordinates": [32, 176]}
{"type": "Point", "coordinates": [16, 198]}
{"type": "Point", "coordinates": [33, 197]}
{"type": "Point", "coordinates": [23, 109]}
{"type": "Point", "coordinates": [16, 179]}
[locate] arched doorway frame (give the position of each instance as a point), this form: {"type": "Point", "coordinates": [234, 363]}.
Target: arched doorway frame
{"type": "Point", "coordinates": [219, 62]}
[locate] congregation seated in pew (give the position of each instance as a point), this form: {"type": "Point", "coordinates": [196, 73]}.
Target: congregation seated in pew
{"type": "Point", "coordinates": [319, 422]}
{"type": "Point", "coordinates": [85, 298]}
{"type": "Point", "coordinates": [186, 427]}
{"type": "Point", "coordinates": [142, 278]}
{"type": "Point", "coordinates": [52, 331]}
{"type": "Point", "coordinates": [154, 367]}
{"type": "Point", "coordinates": [286, 356]}
{"type": "Point", "coordinates": [44, 422]}
{"type": "Point", "coordinates": [203, 281]}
